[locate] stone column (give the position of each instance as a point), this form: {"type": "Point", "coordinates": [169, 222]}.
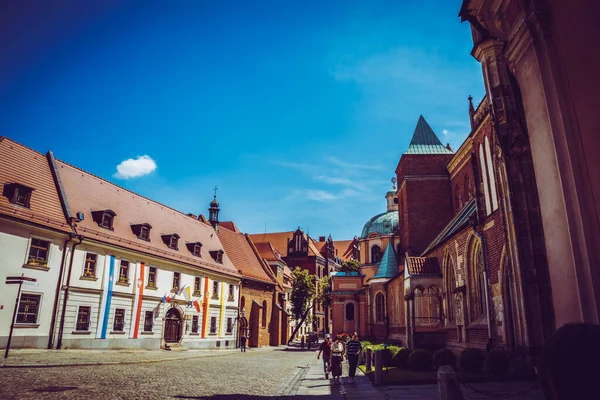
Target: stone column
{"type": "Point", "coordinates": [378, 368]}
{"type": "Point", "coordinates": [448, 387]}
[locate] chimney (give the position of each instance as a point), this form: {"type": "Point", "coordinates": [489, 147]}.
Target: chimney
{"type": "Point", "coordinates": [321, 238]}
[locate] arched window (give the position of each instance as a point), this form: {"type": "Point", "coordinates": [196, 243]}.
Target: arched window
{"type": "Point", "coordinates": [490, 168]}
{"type": "Point", "coordinates": [375, 254]}
{"type": "Point", "coordinates": [418, 299]}
{"type": "Point", "coordinates": [242, 303]}
{"type": "Point", "coordinates": [349, 311]}
{"type": "Point", "coordinates": [486, 190]}
{"type": "Point", "coordinates": [457, 197]}
{"type": "Point", "coordinates": [450, 285]}
{"type": "Point", "coordinates": [379, 308]}
{"type": "Point", "coordinates": [264, 314]}
{"type": "Point", "coordinates": [428, 305]}
{"type": "Point", "coordinates": [467, 188]}
{"type": "Point", "coordinates": [476, 282]}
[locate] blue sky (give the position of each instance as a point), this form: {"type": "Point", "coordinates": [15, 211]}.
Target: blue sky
{"type": "Point", "coordinates": [297, 110]}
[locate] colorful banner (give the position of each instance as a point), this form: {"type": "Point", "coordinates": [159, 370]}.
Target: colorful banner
{"type": "Point", "coordinates": [187, 294]}
{"type": "Point", "coordinates": [196, 305]}
{"type": "Point", "coordinates": [139, 293]}
{"type": "Point", "coordinates": [109, 280]}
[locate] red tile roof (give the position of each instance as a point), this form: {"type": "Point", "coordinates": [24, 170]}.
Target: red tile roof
{"type": "Point", "coordinates": [239, 249]}
{"type": "Point", "coordinates": [229, 225]}
{"type": "Point", "coordinates": [268, 252]}
{"type": "Point", "coordinates": [86, 193]}
{"type": "Point", "coordinates": [280, 241]}
{"type": "Point", "coordinates": [344, 248]}
{"type": "Point", "coordinates": [423, 266]}
{"type": "Point", "coordinates": [19, 164]}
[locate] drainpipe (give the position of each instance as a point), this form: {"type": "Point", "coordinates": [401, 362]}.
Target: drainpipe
{"type": "Point", "coordinates": [66, 296]}
{"type": "Point", "coordinates": [485, 283]}
{"type": "Point", "coordinates": [57, 294]}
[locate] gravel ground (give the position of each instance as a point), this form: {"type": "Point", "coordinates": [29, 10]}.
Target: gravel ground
{"type": "Point", "coordinates": [233, 375]}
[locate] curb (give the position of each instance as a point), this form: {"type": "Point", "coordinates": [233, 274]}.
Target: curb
{"type": "Point", "coordinates": [96, 364]}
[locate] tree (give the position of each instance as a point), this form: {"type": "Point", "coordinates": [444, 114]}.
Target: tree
{"type": "Point", "coordinates": [303, 293]}
{"type": "Point", "coordinates": [350, 266]}
{"type": "Point", "coordinates": [324, 298]}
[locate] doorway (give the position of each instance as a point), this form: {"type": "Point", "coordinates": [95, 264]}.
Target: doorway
{"type": "Point", "coordinates": [172, 326]}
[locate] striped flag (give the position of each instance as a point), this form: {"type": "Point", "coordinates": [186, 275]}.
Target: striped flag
{"type": "Point", "coordinates": [196, 305]}
{"type": "Point", "coordinates": [187, 294]}
{"type": "Point", "coordinates": [181, 290]}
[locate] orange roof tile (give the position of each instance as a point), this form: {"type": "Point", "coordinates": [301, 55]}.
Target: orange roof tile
{"type": "Point", "coordinates": [423, 266]}
{"type": "Point", "coordinates": [238, 248]}
{"type": "Point", "coordinates": [86, 193]}
{"type": "Point", "coordinates": [268, 252]}
{"type": "Point", "coordinates": [344, 248]}
{"type": "Point", "coordinates": [20, 164]}
{"type": "Point", "coordinates": [229, 225]}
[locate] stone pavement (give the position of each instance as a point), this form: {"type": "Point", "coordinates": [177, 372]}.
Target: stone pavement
{"type": "Point", "coordinates": [32, 358]}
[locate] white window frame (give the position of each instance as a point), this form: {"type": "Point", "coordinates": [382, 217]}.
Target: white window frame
{"type": "Point", "coordinates": [50, 243]}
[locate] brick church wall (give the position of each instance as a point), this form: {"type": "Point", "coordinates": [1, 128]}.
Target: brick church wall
{"type": "Point", "coordinates": [251, 292]}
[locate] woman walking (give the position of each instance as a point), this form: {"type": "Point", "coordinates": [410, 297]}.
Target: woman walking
{"type": "Point", "coordinates": [338, 350]}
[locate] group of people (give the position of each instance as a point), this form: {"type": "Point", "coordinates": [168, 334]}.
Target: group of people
{"type": "Point", "coordinates": [334, 353]}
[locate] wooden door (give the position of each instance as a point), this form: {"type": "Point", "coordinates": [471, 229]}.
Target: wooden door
{"type": "Point", "coordinates": [172, 326]}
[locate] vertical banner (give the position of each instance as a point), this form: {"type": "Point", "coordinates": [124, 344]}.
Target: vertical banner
{"type": "Point", "coordinates": [107, 288]}
{"type": "Point", "coordinates": [205, 309]}
{"type": "Point", "coordinates": [137, 303]}
{"type": "Point", "coordinates": [222, 309]}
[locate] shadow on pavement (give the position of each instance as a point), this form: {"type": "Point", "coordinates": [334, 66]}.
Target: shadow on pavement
{"type": "Point", "coordinates": [244, 397]}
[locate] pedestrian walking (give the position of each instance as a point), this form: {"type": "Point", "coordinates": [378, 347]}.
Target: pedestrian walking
{"type": "Point", "coordinates": [338, 350]}
{"type": "Point", "coordinates": [302, 342]}
{"type": "Point", "coordinates": [325, 348]}
{"type": "Point", "coordinates": [353, 349]}
{"type": "Point", "coordinates": [243, 343]}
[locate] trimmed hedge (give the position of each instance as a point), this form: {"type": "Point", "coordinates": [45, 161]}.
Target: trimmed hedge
{"type": "Point", "coordinates": [444, 357]}
{"type": "Point", "coordinates": [471, 360]}
{"type": "Point", "coordinates": [401, 357]}
{"type": "Point", "coordinates": [497, 362]}
{"type": "Point", "coordinates": [420, 360]}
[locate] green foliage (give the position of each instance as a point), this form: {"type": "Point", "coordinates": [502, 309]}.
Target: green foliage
{"type": "Point", "coordinates": [350, 266]}
{"type": "Point", "coordinates": [303, 292]}
{"type": "Point", "coordinates": [497, 362]}
{"type": "Point", "coordinates": [365, 344]}
{"type": "Point", "coordinates": [471, 360]}
{"type": "Point", "coordinates": [444, 357]}
{"type": "Point", "coordinates": [420, 360]}
{"type": "Point", "coordinates": [324, 290]}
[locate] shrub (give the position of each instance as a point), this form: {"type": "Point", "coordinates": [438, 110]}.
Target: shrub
{"type": "Point", "coordinates": [444, 357]}
{"type": "Point", "coordinates": [401, 357]}
{"type": "Point", "coordinates": [471, 360]}
{"type": "Point", "coordinates": [497, 362]}
{"type": "Point", "coordinates": [365, 344]}
{"type": "Point", "coordinates": [420, 360]}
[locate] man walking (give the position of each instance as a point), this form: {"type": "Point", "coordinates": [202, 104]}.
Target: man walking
{"type": "Point", "coordinates": [243, 343]}
{"type": "Point", "coordinates": [325, 348]}
{"type": "Point", "coordinates": [353, 349]}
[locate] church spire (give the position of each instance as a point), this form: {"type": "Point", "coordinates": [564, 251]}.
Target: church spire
{"type": "Point", "coordinates": [425, 141]}
{"type": "Point", "coordinates": [213, 211]}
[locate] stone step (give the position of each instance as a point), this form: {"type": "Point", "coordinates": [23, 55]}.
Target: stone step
{"type": "Point", "coordinates": [175, 347]}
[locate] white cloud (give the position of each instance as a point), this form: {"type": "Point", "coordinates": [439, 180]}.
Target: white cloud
{"type": "Point", "coordinates": [130, 168]}
{"type": "Point", "coordinates": [446, 131]}
{"type": "Point", "coordinates": [320, 195]}
{"type": "Point", "coordinates": [336, 161]}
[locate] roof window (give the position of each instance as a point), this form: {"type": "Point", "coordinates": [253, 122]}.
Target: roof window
{"type": "Point", "coordinates": [17, 194]}
{"type": "Point", "coordinates": [104, 218]}
{"type": "Point", "coordinates": [142, 231]}
{"type": "Point", "coordinates": [171, 240]}
{"type": "Point", "coordinates": [194, 248]}
{"type": "Point", "coordinates": [217, 255]}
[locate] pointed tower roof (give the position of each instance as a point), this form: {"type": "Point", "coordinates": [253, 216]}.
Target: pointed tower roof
{"type": "Point", "coordinates": [388, 267]}
{"type": "Point", "coordinates": [425, 141]}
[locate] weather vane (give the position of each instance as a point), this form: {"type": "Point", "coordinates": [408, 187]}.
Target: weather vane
{"type": "Point", "coordinates": [394, 183]}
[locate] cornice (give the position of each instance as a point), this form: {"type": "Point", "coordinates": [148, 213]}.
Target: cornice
{"type": "Point", "coordinates": [520, 40]}
{"type": "Point", "coordinates": [463, 151]}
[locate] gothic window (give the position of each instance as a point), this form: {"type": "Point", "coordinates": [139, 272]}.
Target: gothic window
{"type": "Point", "coordinates": [490, 168]}
{"type": "Point", "coordinates": [450, 285]}
{"type": "Point", "coordinates": [476, 282]}
{"type": "Point", "coordinates": [349, 311]}
{"type": "Point", "coordinates": [457, 197]}
{"type": "Point", "coordinates": [486, 190]}
{"type": "Point", "coordinates": [427, 306]}
{"type": "Point", "coordinates": [264, 314]}
{"type": "Point", "coordinates": [375, 254]}
{"type": "Point", "coordinates": [468, 190]}
{"type": "Point", "coordinates": [379, 308]}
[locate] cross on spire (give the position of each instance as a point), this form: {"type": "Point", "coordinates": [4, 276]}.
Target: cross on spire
{"type": "Point", "coordinates": [215, 189]}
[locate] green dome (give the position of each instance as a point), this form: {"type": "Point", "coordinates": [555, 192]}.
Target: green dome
{"type": "Point", "coordinates": [384, 224]}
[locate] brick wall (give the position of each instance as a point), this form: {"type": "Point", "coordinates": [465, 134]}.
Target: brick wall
{"type": "Point", "coordinates": [260, 293]}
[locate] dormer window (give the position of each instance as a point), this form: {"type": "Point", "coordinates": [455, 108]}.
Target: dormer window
{"type": "Point", "coordinates": [17, 194]}
{"type": "Point", "coordinates": [194, 248]}
{"type": "Point", "coordinates": [142, 231]}
{"type": "Point", "coordinates": [104, 218]}
{"type": "Point", "coordinates": [171, 240]}
{"type": "Point", "coordinates": [217, 255]}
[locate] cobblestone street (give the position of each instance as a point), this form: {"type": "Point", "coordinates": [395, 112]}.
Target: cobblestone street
{"type": "Point", "coordinates": [230, 375]}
